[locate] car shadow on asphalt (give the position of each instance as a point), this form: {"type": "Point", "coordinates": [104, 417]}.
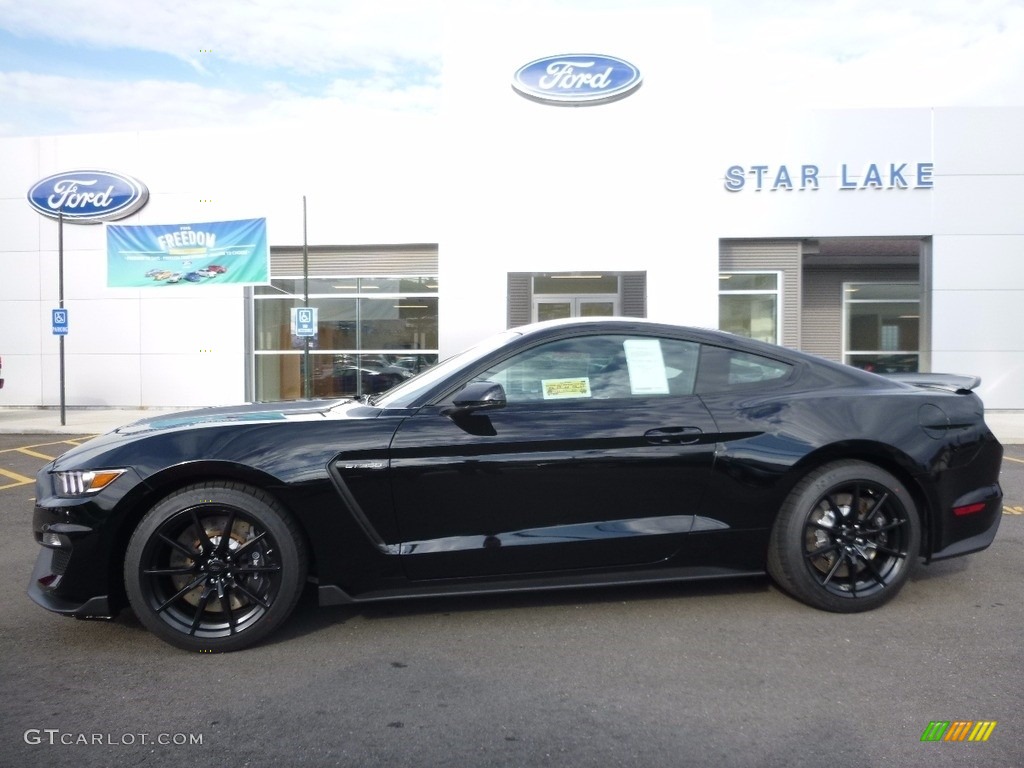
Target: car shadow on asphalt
{"type": "Point", "coordinates": [940, 569]}
{"type": "Point", "coordinates": [310, 617]}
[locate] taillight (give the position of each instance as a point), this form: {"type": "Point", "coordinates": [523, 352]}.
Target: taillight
{"type": "Point", "coordinates": [968, 509]}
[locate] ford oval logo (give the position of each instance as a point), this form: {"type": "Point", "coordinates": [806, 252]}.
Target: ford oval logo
{"type": "Point", "coordinates": [576, 79]}
{"type": "Point", "coordinates": [88, 196]}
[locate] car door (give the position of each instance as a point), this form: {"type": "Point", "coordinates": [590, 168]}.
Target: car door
{"type": "Point", "coordinates": [600, 457]}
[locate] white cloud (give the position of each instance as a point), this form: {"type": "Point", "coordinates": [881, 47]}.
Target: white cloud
{"type": "Point", "coordinates": [99, 105]}
{"type": "Point", "coordinates": [310, 58]}
{"type": "Point", "coordinates": [864, 53]}
{"type": "Point", "coordinates": [344, 55]}
{"type": "Point", "coordinates": [75, 105]}
{"type": "Point", "coordinates": [306, 36]}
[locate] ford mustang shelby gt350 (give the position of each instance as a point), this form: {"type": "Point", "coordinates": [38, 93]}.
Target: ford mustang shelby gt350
{"type": "Point", "coordinates": [554, 455]}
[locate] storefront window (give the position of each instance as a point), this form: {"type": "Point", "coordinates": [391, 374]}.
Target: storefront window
{"type": "Point", "coordinates": [882, 328]}
{"type": "Point", "coordinates": [748, 304]}
{"type": "Point", "coordinates": [372, 333]}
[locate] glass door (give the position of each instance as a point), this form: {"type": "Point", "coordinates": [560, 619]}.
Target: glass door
{"type": "Point", "coordinates": [552, 309]}
{"type": "Point", "coordinates": [574, 294]}
{"type": "Point", "coordinates": [557, 307]}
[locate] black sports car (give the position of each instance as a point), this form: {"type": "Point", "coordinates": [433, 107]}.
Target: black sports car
{"type": "Point", "coordinates": [559, 454]}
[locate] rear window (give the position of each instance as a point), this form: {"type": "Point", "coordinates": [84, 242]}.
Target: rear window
{"type": "Point", "coordinates": [724, 370]}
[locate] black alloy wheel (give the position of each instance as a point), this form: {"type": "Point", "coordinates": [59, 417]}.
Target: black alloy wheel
{"type": "Point", "coordinates": [846, 538]}
{"type": "Point", "coordinates": [215, 567]}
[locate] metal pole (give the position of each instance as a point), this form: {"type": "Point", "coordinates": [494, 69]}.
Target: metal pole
{"type": "Point", "coordinates": [306, 372]}
{"type": "Point", "coordinates": [60, 304]}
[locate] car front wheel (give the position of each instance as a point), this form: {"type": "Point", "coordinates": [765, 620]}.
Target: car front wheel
{"type": "Point", "coordinates": [215, 567]}
{"type": "Point", "coordinates": [846, 538]}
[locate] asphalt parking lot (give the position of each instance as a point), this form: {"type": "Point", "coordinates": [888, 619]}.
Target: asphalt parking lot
{"type": "Point", "coordinates": [729, 673]}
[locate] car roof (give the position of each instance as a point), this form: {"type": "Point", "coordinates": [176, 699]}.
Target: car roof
{"type": "Point", "coordinates": [646, 325]}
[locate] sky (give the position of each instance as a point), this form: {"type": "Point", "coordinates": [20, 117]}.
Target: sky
{"type": "Point", "coordinates": [94, 66]}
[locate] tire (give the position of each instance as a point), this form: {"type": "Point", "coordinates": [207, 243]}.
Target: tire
{"type": "Point", "coordinates": [201, 590]}
{"type": "Point", "coordinates": [846, 539]}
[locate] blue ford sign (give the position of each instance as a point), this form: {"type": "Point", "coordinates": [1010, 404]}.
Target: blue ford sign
{"type": "Point", "coordinates": [576, 79]}
{"type": "Point", "coordinates": [88, 196]}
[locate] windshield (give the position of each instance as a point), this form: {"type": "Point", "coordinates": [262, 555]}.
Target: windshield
{"type": "Point", "coordinates": [410, 390]}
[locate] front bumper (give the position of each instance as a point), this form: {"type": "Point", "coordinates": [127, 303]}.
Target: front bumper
{"type": "Point", "coordinates": [44, 589]}
{"type": "Point", "coordinates": [77, 572]}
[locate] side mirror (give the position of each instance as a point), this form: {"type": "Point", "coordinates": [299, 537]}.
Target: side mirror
{"type": "Point", "coordinates": [477, 396]}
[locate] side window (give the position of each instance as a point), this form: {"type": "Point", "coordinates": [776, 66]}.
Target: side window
{"type": "Point", "coordinates": [598, 368]}
{"type": "Point", "coordinates": [723, 370]}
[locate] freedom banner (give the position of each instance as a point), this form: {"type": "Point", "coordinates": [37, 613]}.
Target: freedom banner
{"type": "Point", "coordinates": [168, 255]}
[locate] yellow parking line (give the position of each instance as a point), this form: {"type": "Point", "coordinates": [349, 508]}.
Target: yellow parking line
{"type": "Point", "coordinates": [1013, 510]}
{"type": "Point", "coordinates": [35, 454]}
{"type": "Point", "coordinates": [1010, 458]}
{"type": "Point", "coordinates": [29, 449]}
{"type": "Point", "coordinates": [18, 479]}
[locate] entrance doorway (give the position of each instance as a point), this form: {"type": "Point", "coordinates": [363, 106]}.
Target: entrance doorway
{"type": "Point", "coordinates": [558, 296]}
{"type": "Point", "coordinates": [555, 307]}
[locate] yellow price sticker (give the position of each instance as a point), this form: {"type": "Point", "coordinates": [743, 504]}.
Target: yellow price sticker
{"type": "Point", "coordinates": [555, 389]}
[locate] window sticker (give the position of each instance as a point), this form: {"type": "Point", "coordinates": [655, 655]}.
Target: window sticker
{"type": "Point", "coordinates": [559, 389]}
{"type": "Point", "coordinates": [646, 366]}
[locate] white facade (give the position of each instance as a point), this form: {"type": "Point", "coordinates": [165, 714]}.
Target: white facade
{"type": "Point", "coordinates": [971, 214]}
{"type": "Point", "coordinates": [141, 348]}
{"type": "Point", "coordinates": [503, 184]}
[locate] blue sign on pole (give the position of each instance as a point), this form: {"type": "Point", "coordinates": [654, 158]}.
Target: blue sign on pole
{"type": "Point", "coordinates": [304, 319]}
{"type": "Point", "coordinates": [60, 322]}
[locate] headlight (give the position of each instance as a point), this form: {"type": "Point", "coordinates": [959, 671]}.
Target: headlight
{"type": "Point", "coordinates": [77, 483]}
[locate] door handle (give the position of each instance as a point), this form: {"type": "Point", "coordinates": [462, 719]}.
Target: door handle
{"type": "Point", "coordinates": [673, 435]}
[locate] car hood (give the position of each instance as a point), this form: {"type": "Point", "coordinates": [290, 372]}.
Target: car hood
{"type": "Point", "coordinates": [297, 410]}
{"type": "Point", "coordinates": [175, 436]}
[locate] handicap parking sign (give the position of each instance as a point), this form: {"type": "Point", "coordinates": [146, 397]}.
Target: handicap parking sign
{"type": "Point", "coordinates": [60, 322]}
{"type": "Point", "coordinates": [304, 321]}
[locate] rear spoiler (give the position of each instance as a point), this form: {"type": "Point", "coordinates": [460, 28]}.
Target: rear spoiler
{"type": "Point", "coordinates": [949, 381]}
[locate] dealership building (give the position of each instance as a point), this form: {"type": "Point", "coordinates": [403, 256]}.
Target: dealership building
{"type": "Point", "coordinates": [549, 184]}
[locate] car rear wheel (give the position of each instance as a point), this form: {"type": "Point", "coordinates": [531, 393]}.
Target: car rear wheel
{"type": "Point", "coordinates": [215, 567]}
{"type": "Point", "coordinates": [846, 538]}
